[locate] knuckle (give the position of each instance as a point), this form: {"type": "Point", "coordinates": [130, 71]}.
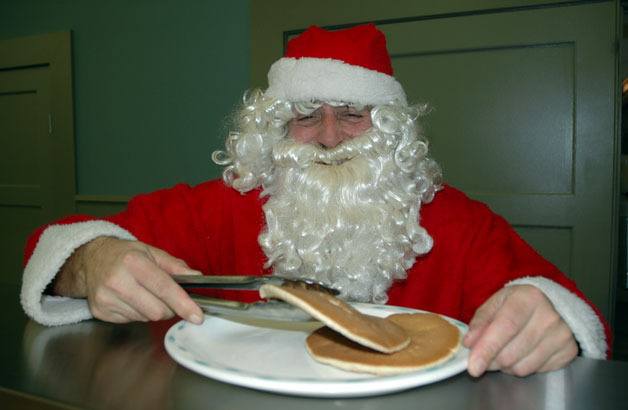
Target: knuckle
{"type": "Point", "coordinates": [509, 326]}
{"type": "Point", "coordinates": [554, 320]}
{"type": "Point", "coordinates": [134, 259]}
{"type": "Point", "coordinates": [163, 282]}
{"type": "Point", "coordinates": [506, 359]}
{"type": "Point", "coordinates": [158, 312]}
{"type": "Point", "coordinates": [130, 258]}
{"type": "Point", "coordinates": [534, 293]}
{"type": "Point", "coordinates": [529, 295]}
{"type": "Point", "coordinates": [549, 327]}
{"type": "Point", "coordinates": [556, 326]}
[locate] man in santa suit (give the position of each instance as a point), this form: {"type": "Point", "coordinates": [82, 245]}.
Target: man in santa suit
{"type": "Point", "coordinates": [328, 177]}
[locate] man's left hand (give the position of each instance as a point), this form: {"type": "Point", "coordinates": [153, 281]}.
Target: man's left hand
{"type": "Point", "coordinates": [518, 331]}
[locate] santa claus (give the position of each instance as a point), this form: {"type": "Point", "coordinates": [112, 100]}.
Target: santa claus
{"type": "Point", "coordinates": [327, 176]}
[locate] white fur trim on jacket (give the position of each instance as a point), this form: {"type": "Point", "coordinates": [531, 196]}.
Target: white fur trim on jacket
{"type": "Point", "coordinates": [326, 79]}
{"type": "Point", "coordinates": [55, 245]}
{"type": "Point", "coordinates": [584, 323]}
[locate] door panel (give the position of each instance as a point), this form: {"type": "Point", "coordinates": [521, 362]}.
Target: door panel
{"type": "Point", "coordinates": [36, 134]}
{"type": "Point", "coordinates": [523, 110]}
{"type": "Point", "coordinates": [480, 98]}
{"type": "Point", "coordinates": [24, 109]}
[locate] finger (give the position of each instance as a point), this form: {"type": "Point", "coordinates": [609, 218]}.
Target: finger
{"type": "Point", "coordinates": [542, 337]}
{"type": "Point", "coordinates": [505, 326]}
{"type": "Point", "coordinates": [561, 358]}
{"type": "Point", "coordinates": [148, 305]}
{"type": "Point", "coordinates": [161, 285]}
{"type": "Point", "coordinates": [116, 318]}
{"type": "Point", "coordinates": [547, 356]}
{"type": "Point", "coordinates": [106, 305]}
{"type": "Point", "coordinates": [483, 317]}
{"type": "Point", "coordinates": [545, 341]}
{"type": "Point", "coordinates": [556, 348]}
{"type": "Point", "coordinates": [171, 264]}
{"type": "Point", "coordinates": [520, 346]}
{"type": "Point", "coordinates": [473, 334]}
{"type": "Point", "coordinates": [126, 310]}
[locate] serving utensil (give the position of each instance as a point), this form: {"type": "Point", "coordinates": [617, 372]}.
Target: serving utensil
{"type": "Point", "coordinates": [271, 310]}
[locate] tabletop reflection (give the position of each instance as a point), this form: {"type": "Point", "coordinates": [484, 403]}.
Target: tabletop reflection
{"type": "Point", "coordinates": [90, 362]}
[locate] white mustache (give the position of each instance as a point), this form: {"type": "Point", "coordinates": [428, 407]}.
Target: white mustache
{"type": "Point", "coordinates": [289, 153]}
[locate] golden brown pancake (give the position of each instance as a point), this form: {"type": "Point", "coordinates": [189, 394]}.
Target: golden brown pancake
{"type": "Point", "coordinates": [433, 341]}
{"type": "Point", "coordinates": [370, 331]}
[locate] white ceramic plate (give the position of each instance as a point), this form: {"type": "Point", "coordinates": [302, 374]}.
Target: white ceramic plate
{"type": "Point", "coordinates": [277, 360]}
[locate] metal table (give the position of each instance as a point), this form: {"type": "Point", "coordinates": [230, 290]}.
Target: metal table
{"type": "Point", "coordinates": [100, 365]}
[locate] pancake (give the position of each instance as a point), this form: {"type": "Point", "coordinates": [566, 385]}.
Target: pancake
{"type": "Point", "coordinates": [433, 341]}
{"type": "Point", "coordinates": [374, 332]}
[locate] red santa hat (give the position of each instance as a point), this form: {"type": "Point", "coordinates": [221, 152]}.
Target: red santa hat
{"type": "Point", "coordinates": [350, 65]}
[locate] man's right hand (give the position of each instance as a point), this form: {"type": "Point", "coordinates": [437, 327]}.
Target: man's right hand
{"type": "Point", "coordinates": [127, 281]}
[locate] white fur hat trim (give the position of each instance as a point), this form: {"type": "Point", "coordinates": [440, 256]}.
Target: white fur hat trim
{"type": "Point", "coordinates": [326, 79]}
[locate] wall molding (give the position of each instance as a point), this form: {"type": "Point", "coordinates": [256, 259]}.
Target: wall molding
{"type": "Point", "coordinates": [110, 199]}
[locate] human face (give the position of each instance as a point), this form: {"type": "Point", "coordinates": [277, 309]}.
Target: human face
{"type": "Point", "coordinates": [329, 126]}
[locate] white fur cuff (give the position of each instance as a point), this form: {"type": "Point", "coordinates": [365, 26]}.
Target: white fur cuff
{"type": "Point", "coordinates": [55, 245]}
{"type": "Point", "coordinates": [584, 323]}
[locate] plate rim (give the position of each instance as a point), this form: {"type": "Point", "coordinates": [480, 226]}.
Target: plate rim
{"type": "Point", "coordinates": [362, 386]}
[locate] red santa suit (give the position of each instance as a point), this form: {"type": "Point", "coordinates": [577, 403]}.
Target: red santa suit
{"type": "Point", "coordinates": [215, 229]}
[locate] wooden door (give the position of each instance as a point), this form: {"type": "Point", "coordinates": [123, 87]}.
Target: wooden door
{"type": "Point", "coordinates": [523, 109]}
{"type": "Point", "coordinates": [37, 155]}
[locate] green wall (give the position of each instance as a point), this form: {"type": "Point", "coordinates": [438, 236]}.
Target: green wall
{"type": "Point", "coordinates": [153, 83]}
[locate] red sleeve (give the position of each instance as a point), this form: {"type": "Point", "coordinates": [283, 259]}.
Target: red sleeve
{"type": "Point", "coordinates": [496, 255]}
{"type": "Point", "coordinates": [187, 222]}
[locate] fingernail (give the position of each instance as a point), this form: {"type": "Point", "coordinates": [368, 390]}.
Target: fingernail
{"type": "Point", "coordinates": [196, 319]}
{"type": "Point", "coordinates": [192, 272]}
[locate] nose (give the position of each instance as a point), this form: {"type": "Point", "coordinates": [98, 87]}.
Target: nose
{"type": "Point", "coordinates": [330, 133]}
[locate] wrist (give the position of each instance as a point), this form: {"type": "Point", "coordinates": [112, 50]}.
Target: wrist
{"type": "Point", "coordinates": [71, 280]}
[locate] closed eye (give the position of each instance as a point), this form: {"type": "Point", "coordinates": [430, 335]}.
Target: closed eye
{"type": "Point", "coordinates": [352, 116]}
{"type": "Point", "coordinates": [307, 120]}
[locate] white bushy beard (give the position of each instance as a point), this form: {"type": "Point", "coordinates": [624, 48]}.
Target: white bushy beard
{"type": "Point", "coordinates": [346, 216]}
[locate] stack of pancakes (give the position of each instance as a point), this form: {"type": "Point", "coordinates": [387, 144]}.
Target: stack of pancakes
{"type": "Point", "coordinates": [357, 342]}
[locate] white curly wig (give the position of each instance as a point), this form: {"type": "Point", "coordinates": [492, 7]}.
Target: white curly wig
{"type": "Point", "coordinates": [349, 215]}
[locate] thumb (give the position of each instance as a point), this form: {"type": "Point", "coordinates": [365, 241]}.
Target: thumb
{"type": "Point", "coordinates": [483, 317]}
{"type": "Point", "coordinates": [170, 264]}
